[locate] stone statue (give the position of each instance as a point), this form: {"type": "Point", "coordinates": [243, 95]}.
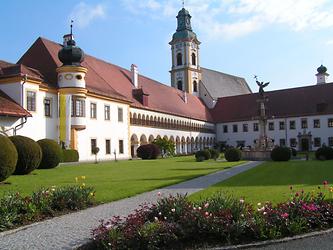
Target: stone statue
{"type": "Point", "coordinates": [261, 85]}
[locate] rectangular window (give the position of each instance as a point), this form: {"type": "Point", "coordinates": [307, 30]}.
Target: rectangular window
{"type": "Point", "coordinates": [330, 122]}
{"type": "Point", "coordinates": [93, 144]}
{"type": "Point", "coordinates": [107, 112]}
{"type": "Point", "coordinates": [293, 142]}
{"type": "Point", "coordinates": [240, 144]}
{"type": "Point", "coordinates": [281, 125]}
{"type": "Point", "coordinates": [330, 141]}
{"type": "Point", "coordinates": [31, 101]}
{"type": "Point", "coordinates": [316, 123]}
{"type": "Point", "coordinates": [47, 107]}
{"type": "Point", "coordinates": [225, 128]}
{"type": "Point", "coordinates": [255, 127]}
{"type": "Point", "coordinates": [304, 123]}
{"type": "Point", "coordinates": [245, 127]}
{"type": "Point", "coordinates": [271, 126]}
{"type": "Point", "coordinates": [93, 110]}
{"type": "Point", "coordinates": [292, 125]}
{"type": "Point", "coordinates": [78, 107]}
{"type": "Point", "coordinates": [282, 142]}
{"type": "Point", "coordinates": [317, 142]}
{"type": "Point", "coordinates": [121, 146]}
{"type": "Point", "coordinates": [235, 128]}
{"type": "Point", "coordinates": [107, 147]}
{"type": "Point", "coordinates": [120, 114]}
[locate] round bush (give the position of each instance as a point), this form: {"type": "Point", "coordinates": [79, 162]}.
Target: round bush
{"type": "Point", "coordinates": [324, 153]}
{"type": "Point", "coordinates": [214, 154]}
{"type": "Point", "coordinates": [281, 154]}
{"type": "Point", "coordinates": [148, 151]}
{"type": "Point", "coordinates": [29, 154]}
{"type": "Point", "coordinates": [51, 153]}
{"type": "Point", "coordinates": [232, 154]}
{"type": "Point", "coordinates": [8, 158]}
{"type": "Point", "coordinates": [70, 155]}
{"type": "Point", "coordinates": [202, 155]}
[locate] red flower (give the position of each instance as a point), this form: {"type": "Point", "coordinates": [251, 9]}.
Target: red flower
{"type": "Point", "coordinates": [325, 183]}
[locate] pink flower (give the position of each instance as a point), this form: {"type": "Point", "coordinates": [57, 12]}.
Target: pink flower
{"type": "Point", "coordinates": [173, 210]}
{"type": "Point", "coordinates": [241, 201]}
{"type": "Point", "coordinates": [199, 208]}
{"type": "Point", "coordinates": [285, 215]}
{"type": "Point", "coordinates": [159, 193]}
{"type": "Point", "coordinates": [325, 183]}
{"type": "Point", "coordinates": [206, 205]}
{"type": "Point", "coordinates": [206, 213]}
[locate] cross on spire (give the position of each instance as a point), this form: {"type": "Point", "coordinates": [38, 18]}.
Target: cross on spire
{"type": "Point", "coordinates": [183, 2]}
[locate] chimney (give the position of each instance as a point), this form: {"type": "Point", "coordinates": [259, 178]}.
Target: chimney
{"type": "Point", "coordinates": [67, 38]}
{"type": "Point", "coordinates": [322, 75]}
{"type": "Point", "coordinates": [135, 73]}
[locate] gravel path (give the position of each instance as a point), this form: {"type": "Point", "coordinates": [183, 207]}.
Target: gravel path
{"type": "Point", "coordinates": [73, 230]}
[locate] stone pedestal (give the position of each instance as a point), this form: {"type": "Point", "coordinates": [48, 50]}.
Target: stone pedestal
{"type": "Point", "coordinates": [256, 155]}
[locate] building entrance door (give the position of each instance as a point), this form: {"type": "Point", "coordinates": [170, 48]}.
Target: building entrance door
{"type": "Point", "coordinates": [305, 144]}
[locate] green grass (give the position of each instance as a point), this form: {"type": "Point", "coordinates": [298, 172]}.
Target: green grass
{"type": "Point", "coordinates": [114, 181]}
{"type": "Point", "coordinates": [271, 181]}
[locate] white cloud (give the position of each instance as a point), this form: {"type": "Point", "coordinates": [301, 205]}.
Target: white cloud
{"type": "Point", "coordinates": [230, 19]}
{"type": "Point", "coordinates": [83, 14]}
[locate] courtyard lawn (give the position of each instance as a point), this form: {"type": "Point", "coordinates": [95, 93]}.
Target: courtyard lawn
{"type": "Point", "coordinates": [271, 181]}
{"type": "Point", "coordinates": [116, 180]}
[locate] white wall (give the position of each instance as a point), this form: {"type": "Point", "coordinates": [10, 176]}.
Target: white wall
{"type": "Point", "coordinates": [231, 138]}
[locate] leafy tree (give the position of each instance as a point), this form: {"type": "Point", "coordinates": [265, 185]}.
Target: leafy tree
{"type": "Point", "coordinates": [167, 146]}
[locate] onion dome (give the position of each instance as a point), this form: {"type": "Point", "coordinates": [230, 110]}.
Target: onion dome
{"type": "Point", "coordinates": [322, 69]}
{"type": "Point", "coordinates": [70, 54]}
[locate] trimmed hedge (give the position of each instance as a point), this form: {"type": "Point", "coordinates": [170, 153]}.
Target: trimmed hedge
{"type": "Point", "coordinates": [233, 154]}
{"type": "Point", "coordinates": [148, 151]}
{"type": "Point", "coordinates": [202, 155]}
{"type": "Point", "coordinates": [51, 153]}
{"type": "Point", "coordinates": [281, 154]}
{"type": "Point", "coordinates": [8, 158]}
{"type": "Point", "coordinates": [324, 153]}
{"type": "Point", "coordinates": [214, 153]}
{"type": "Point", "coordinates": [29, 154]}
{"type": "Point", "coordinates": [70, 155]}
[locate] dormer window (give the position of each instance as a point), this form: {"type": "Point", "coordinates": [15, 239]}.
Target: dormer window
{"type": "Point", "coordinates": [180, 85]}
{"type": "Point", "coordinates": [194, 59]}
{"type": "Point", "coordinates": [195, 86]}
{"type": "Point", "coordinates": [179, 59]}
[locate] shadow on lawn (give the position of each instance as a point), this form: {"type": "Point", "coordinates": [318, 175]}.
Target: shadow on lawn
{"type": "Point", "coordinates": [195, 169]}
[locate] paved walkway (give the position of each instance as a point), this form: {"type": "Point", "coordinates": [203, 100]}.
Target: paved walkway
{"type": "Point", "coordinates": [73, 230]}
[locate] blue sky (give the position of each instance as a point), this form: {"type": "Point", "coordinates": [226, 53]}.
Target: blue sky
{"type": "Point", "coordinates": [280, 41]}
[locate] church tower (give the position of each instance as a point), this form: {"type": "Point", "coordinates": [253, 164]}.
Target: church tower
{"type": "Point", "coordinates": [185, 71]}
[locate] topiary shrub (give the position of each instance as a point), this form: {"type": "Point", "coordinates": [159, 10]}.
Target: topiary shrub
{"type": "Point", "coordinates": [232, 154]}
{"type": "Point", "coordinates": [214, 154]}
{"type": "Point", "coordinates": [281, 154]}
{"type": "Point", "coordinates": [29, 154]}
{"type": "Point", "coordinates": [324, 153]}
{"type": "Point", "coordinates": [51, 153]}
{"type": "Point", "coordinates": [8, 158]}
{"type": "Point", "coordinates": [148, 151]}
{"type": "Point", "coordinates": [70, 155]}
{"type": "Point", "coordinates": [202, 155]}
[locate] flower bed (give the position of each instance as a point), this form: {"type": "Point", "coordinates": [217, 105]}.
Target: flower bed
{"type": "Point", "coordinates": [175, 222]}
{"type": "Point", "coordinates": [17, 210]}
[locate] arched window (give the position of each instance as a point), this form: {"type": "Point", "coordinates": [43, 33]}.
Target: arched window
{"type": "Point", "coordinates": [194, 59]}
{"type": "Point", "coordinates": [195, 86]}
{"type": "Point", "coordinates": [180, 85]}
{"type": "Point", "coordinates": [179, 59]}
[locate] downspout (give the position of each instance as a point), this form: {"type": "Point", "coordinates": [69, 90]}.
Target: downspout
{"type": "Point", "coordinates": [25, 78]}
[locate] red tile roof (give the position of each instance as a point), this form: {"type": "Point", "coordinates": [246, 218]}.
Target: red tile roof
{"type": "Point", "coordinates": [8, 107]}
{"type": "Point", "coordinates": [9, 70]}
{"type": "Point", "coordinates": [114, 81]}
{"type": "Point", "coordinates": [295, 102]}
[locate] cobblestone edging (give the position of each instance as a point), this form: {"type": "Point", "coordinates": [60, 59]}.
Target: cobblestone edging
{"type": "Point", "coordinates": [276, 244]}
{"type": "Point", "coordinates": [73, 230]}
